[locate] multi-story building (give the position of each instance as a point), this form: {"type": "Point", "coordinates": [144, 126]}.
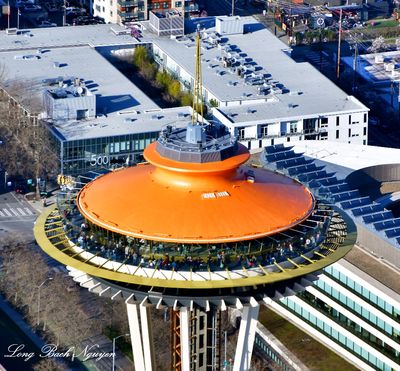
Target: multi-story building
{"type": "Point", "coordinates": [125, 11]}
{"type": "Point", "coordinates": [256, 98]}
{"type": "Point", "coordinates": [254, 94]}
{"type": "Point", "coordinates": [354, 306]}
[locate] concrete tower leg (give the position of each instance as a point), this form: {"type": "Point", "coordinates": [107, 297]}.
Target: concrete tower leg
{"type": "Point", "coordinates": [141, 338]}
{"type": "Point", "coordinates": [247, 332]}
{"type": "Point", "coordinates": [185, 341]}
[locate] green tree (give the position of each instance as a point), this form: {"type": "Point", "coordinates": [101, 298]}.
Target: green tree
{"type": "Point", "coordinates": [164, 79]}
{"type": "Point", "coordinates": [186, 99]}
{"type": "Point", "coordinates": [213, 102]}
{"type": "Point", "coordinates": [174, 89]}
{"type": "Point", "coordinates": [141, 57]}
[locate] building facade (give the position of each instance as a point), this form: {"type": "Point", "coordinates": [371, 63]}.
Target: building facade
{"type": "Point", "coordinates": [125, 11]}
{"type": "Point", "coordinates": [260, 131]}
{"type": "Point", "coordinates": [84, 155]}
{"type": "Point", "coordinates": [352, 313]}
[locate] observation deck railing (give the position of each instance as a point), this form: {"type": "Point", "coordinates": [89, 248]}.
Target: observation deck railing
{"type": "Point", "coordinates": [274, 253]}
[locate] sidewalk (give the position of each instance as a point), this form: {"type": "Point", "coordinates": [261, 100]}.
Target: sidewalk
{"type": "Point", "coordinates": [38, 205]}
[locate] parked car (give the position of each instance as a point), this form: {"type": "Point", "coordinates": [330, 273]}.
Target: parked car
{"type": "Point", "coordinates": [46, 24]}
{"type": "Point", "coordinates": [31, 8]}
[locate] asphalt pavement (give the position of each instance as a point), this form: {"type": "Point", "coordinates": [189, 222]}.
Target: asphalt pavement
{"type": "Point", "coordinates": [16, 215]}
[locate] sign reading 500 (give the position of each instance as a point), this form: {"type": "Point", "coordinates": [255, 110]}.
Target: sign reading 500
{"type": "Point", "coordinates": [99, 160]}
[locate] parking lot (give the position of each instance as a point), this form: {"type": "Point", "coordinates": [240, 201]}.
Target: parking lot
{"type": "Point", "coordinates": [47, 14]}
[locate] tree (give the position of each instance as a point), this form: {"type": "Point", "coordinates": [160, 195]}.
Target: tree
{"type": "Point", "coordinates": [213, 103]}
{"type": "Point", "coordinates": [141, 57]}
{"type": "Point", "coordinates": [174, 89]}
{"type": "Point", "coordinates": [149, 71]}
{"type": "Point", "coordinates": [186, 99]}
{"type": "Point", "coordinates": [28, 148]}
{"type": "Point", "coordinates": [164, 79]}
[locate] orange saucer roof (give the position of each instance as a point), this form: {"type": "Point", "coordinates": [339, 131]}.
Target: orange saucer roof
{"type": "Point", "coordinates": [212, 202]}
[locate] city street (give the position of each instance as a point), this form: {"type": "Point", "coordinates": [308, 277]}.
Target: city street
{"type": "Point", "coordinates": [16, 215]}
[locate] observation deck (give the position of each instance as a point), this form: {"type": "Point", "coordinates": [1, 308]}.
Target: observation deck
{"type": "Point", "coordinates": [194, 218]}
{"type": "Point", "coordinates": [194, 200]}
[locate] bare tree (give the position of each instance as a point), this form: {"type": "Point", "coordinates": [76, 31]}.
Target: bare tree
{"type": "Point", "coordinates": [28, 148]}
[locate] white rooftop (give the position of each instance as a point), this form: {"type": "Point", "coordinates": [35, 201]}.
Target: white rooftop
{"type": "Point", "coordinates": [345, 158]}
{"type": "Point", "coordinates": [377, 68]}
{"type": "Point", "coordinates": [93, 35]}
{"type": "Point", "coordinates": [288, 107]}
{"type": "Point", "coordinates": [308, 89]}
{"type": "Point", "coordinates": [123, 124]}
{"type": "Point", "coordinates": [75, 49]}
{"type": "Point", "coordinates": [113, 90]}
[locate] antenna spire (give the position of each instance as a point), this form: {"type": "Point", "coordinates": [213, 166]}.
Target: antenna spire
{"type": "Point", "coordinates": [198, 85]}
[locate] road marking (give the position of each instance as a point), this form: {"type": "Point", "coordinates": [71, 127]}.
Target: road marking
{"type": "Point", "coordinates": [7, 212]}
{"type": "Point", "coordinates": [28, 211]}
{"type": "Point", "coordinates": [21, 211]}
{"type": "Point", "coordinates": [1, 214]}
{"type": "Point", "coordinates": [14, 212]}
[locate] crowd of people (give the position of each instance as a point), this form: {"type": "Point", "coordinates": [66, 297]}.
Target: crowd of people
{"type": "Point", "coordinates": [152, 254]}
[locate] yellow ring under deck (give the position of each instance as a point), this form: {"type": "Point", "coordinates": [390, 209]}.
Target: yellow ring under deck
{"type": "Point", "coordinates": [65, 254]}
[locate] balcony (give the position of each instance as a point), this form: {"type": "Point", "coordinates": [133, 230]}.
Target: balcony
{"type": "Point", "coordinates": [284, 135]}
{"type": "Point", "coordinates": [128, 3]}
{"type": "Point", "coordinates": [131, 15]}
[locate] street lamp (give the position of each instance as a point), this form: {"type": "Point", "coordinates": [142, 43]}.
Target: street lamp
{"type": "Point", "coordinates": [38, 306]}
{"type": "Point", "coordinates": [113, 340]}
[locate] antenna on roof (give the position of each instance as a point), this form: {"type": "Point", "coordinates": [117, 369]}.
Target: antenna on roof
{"type": "Point", "coordinates": [198, 85]}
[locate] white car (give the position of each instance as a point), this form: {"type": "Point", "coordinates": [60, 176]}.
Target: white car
{"type": "Point", "coordinates": [46, 24]}
{"type": "Point", "coordinates": [31, 8]}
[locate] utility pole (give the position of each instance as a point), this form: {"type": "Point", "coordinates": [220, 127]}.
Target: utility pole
{"type": "Point", "coordinates": [339, 42]}
{"type": "Point", "coordinates": [8, 14]}
{"type": "Point", "coordinates": [355, 65]}
{"type": "Point", "coordinates": [233, 8]}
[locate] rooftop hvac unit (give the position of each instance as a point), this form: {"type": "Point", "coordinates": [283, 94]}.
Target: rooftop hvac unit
{"type": "Point", "coordinates": [379, 59]}
{"type": "Point", "coordinates": [389, 67]}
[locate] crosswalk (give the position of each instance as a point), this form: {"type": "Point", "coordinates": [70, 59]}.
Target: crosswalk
{"type": "Point", "coordinates": [16, 211]}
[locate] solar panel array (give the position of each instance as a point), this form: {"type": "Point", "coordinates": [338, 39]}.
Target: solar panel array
{"type": "Point", "coordinates": [326, 186]}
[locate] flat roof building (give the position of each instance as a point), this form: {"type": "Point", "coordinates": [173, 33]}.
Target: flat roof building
{"type": "Point", "coordinates": [263, 98]}
{"type": "Point", "coordinates": [259, 92]}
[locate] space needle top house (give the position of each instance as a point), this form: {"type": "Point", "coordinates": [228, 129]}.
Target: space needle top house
{"type": "Point", "coordinates": [195, 230]}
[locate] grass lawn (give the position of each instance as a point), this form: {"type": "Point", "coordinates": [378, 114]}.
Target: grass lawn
{"type": "Point", "coordinates": [312, 353]}
{"type": "Point", "coordinates": [383, 23]}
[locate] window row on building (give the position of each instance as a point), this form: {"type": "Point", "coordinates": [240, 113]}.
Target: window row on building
{"type": "Point", "coordinates": [351, 313]}
{"type": "Point", "coordinates": [81, 156]}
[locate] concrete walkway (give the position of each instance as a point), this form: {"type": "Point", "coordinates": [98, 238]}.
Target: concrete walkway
{"type": "Point", "coordinates": [279, 348]}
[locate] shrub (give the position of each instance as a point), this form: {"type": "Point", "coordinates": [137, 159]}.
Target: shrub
{"type": "Point", "coordinates": [174, 89]}
{"type": "Point", "coordinates": [186, 99]}
{"type": "Point", "coordinates": [141, 57]}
